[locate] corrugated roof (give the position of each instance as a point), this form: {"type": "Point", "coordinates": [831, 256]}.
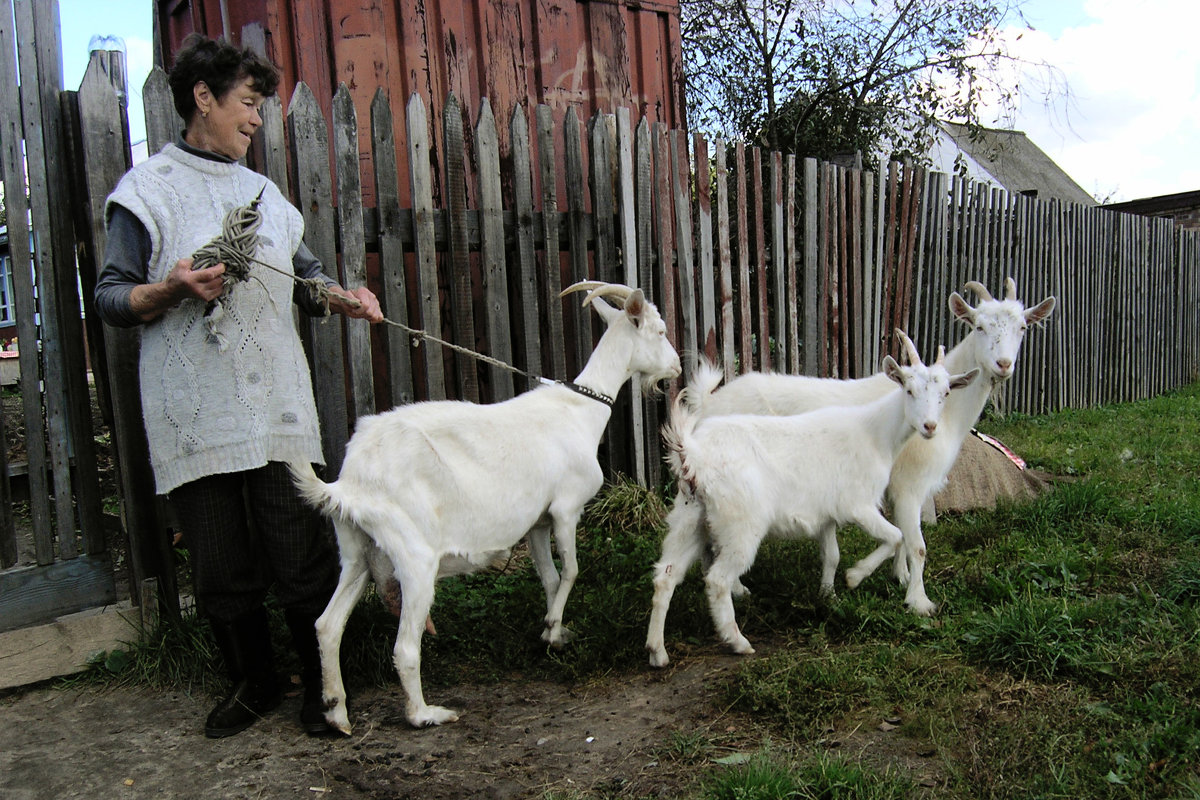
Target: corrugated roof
{"type": "Point", "coordinates": [1017, 164]}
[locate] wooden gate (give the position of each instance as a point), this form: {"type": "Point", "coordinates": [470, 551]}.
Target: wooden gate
{"type": "Point", "coordinates": [60, 561]}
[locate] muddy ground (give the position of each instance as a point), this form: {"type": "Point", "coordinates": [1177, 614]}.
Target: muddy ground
{"type": "Point", "coordinates": [643, 734]}
{"type": "Point", "coordinates": [515, 739]}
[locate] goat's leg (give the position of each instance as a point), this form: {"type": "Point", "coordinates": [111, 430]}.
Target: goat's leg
{"type": "Point", "coordinates": [890, 537]}
{"type": "Point", "coordinates": [908, 516]}
{"type": "Point", "coordinates": [830, 556]}
{"type": "Point", "coordinates": [417, 579]}
{"type": "Point", "coordinates": [556, 634]}
{"type": "Point", "coordinates": [732, 560]}
{"type": "Point", "coordinates": [352, 550]}
{"type": "Point", "coordinates": [682, 545]}
{"type": "Point", "coordinates": [543, 560]}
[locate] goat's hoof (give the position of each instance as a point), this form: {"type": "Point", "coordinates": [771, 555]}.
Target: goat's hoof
{"type": "Point", "coordinates": [854, 577]}
{"type": "Point", "coordinates": [559, 639]}
{"type": "Point", "coordinates": [659, 659]}
{"type": "Point", "coordinates": [742, 647]}
{"type": "Point", "coordinates": [922, 608]}
{"type": "Point", "coordinates": [432, 715]}
{"type": "Point", "coordinates": [338, 720]}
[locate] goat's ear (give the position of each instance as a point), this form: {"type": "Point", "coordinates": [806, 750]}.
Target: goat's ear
{"type": "Point", "coordinates": [965, 379]}
{"type": "Point", "coordinates": [1039, 312]}
{"type": "Point", "coordinates": [893, 370]}
{"type": "Point", "coordinates": [961, 309]}
{"type": "Point", "coordinates": [635, 307]}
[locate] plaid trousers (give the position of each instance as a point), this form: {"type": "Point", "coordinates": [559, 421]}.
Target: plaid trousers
{"type": "Point", "coordinates": [249, 533]}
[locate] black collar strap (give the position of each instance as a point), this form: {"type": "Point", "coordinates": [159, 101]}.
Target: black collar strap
{"type": "Point", "coordinates": [586, 392]}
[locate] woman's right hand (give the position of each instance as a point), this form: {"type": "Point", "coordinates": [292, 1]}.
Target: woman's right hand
{"type": "Point", "coordinates": [151, 300]}
{"type": "Point", "coordinates": [183, 282]}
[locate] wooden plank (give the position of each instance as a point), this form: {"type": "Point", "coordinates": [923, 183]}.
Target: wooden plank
{"type": "Point", "coordinates": [577, 318]}
{"type": "Point", "coordinates": [41, 134]}
{"type": "Point", "coordinates": [353, 247]}
{"type": "Point", "coordinates": [601, 154]}
{"type": "Point", "coordinates": [791, 305]}
{"type": "Point", "coordinates": [704, 245]}
{"type": "Point", "coordinates": [308, 139]}
{"type": "Point", "coordinates": [524, 286]}
{"type": "Point", "coordinates": [810, 267]}
{"type": "Point", "coordinates": [393, 274]}
{"type": "Point", "coordinates": [870, 305]}
{"type": "Point", "coordinates": [778, 267]}
{"type": "Point", "coordinates": [681, 193]}
{"type": "Point", "coordinates": [626, 218]}
{"type": "Point", "coordinates": [666, 236]}
{"type": "Point", "coordinates": [646, 263]}
{"type": "Point", "coordinates": [162, 120]}
{"type": "Point", "coordinates": [492, 253]}
{"type": "Point", "coordinates": [744, 322]}
{"type": "Point", "coordinates": [462, 314]}
{"type": "Point", "coordinates": [106, 158]}
{"type": "Point", "coordinates": [725, 261]}
{"type": "Point", "coordinates": [628, 252]}
{"type": "Point", "coordinates": [762, 329]}
{"type": "Point", "coordinates": [552, 258]}
{"type": "Point", "coordinates": [66, 645]}
{"type": "Point", "coordinates": [859, 365]}
{"type": "Point", "coordinates": [420, 177]}
{"type": "Point", "coordinates": [33, 595]}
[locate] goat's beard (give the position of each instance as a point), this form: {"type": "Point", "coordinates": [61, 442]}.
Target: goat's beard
{"type": "Point", "coordinates": [650, 385]}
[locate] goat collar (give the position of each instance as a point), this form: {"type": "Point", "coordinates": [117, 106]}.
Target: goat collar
{"type": "Point", "coordinates": [586, 392]}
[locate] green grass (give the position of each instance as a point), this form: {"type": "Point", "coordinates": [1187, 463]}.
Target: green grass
{"type": "Point", "coordinates": [1064, 661]}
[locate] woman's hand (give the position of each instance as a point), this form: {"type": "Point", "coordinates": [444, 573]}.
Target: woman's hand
{"type": "Point", "coordinates": [364, 304]}
{"type": "Point", "coordinates": [151, 300]}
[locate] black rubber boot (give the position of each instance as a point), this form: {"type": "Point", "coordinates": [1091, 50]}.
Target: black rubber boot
{"type": "Point", "coordinates": [245, 644]}
{"type": "Point", "coordinates": [304, 639]}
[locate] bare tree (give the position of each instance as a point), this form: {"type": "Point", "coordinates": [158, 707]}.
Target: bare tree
{"type": "Point", "coordinates": [825, 78]}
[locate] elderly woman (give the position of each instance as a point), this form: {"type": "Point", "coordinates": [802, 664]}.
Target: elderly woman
{"type": "Point", "coordinates": [226, 392]}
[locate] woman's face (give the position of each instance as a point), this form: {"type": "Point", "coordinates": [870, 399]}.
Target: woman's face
{"type": "Point", "coordinates": [230, 121]}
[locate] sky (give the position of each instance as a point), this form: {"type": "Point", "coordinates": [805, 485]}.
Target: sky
{"type": "Point", "coordinates": [1127, 128]}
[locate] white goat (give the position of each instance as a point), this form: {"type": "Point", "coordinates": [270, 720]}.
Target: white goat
{"type": "Point", "coordinates": [443, 487]}
{"type": "Point", "coordinates": [997, 330]}
{"type": "Point", "coordinates": [745, 477]}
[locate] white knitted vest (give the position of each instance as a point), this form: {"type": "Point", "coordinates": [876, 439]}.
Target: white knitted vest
{"type": "Point", "coordinates": [209, 411]}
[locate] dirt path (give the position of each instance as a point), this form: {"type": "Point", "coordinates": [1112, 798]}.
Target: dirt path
{"type": "Point", "coordinates": [514, 740]}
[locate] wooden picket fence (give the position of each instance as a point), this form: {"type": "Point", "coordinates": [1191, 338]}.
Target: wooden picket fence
{"type": "Point", "coordinates": [757, 259]}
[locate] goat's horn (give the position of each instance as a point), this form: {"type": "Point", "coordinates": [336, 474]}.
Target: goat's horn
{"type": "Point", "coordinates": [941, 354]}
{"type": "Point", "coordinates": [910, 349]}
{"type": "Point", "coordinates": [580, 287]}
{"type": "Point", "coordinates": [1010, 289]}
{"type": "Point", "coordinates": [979, 289]}
{"type": "Point", "coordinates": [617, 290]}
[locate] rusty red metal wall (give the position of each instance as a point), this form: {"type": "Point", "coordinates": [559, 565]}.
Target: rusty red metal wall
{"type": "Point", "coordinates": [594, 55]}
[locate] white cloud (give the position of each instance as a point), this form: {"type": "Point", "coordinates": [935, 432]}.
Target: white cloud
{"type": "Point", "coordinates": [1128, 128]}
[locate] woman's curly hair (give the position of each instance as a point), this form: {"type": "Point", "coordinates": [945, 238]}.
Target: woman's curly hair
{"type": "Point", "coordinates": [220, 65]}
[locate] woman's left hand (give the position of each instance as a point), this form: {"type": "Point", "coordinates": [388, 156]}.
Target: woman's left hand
{"type": "Point", "coordinates": [367, 307]}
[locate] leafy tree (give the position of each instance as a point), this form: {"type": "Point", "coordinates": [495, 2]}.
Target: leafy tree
{"type": "Point", "coordinates": [826, 78]}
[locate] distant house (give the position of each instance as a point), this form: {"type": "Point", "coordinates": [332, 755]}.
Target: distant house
{"type": "Point", "coordinates": [1008, 159]}
{"type": "Point", "coordinates": [8, 308]}
{"type": "Point", "coordinates": [1182, 207]}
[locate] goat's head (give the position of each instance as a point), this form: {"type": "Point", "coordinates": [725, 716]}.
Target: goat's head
{"type": "Point", "coordinates": [651, 355]}
{"type": "Point", "coordinates": [998, 326]}
{"type": "Point", "coordinates": [925, 387]}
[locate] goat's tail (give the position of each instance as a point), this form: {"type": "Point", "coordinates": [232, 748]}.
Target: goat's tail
{"type": "Point", "coordinates": [314, 491]}
{"type": "Point", "coordinates": [677, 432]}
{"type": "Point", "coordinates": [705, 379]}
